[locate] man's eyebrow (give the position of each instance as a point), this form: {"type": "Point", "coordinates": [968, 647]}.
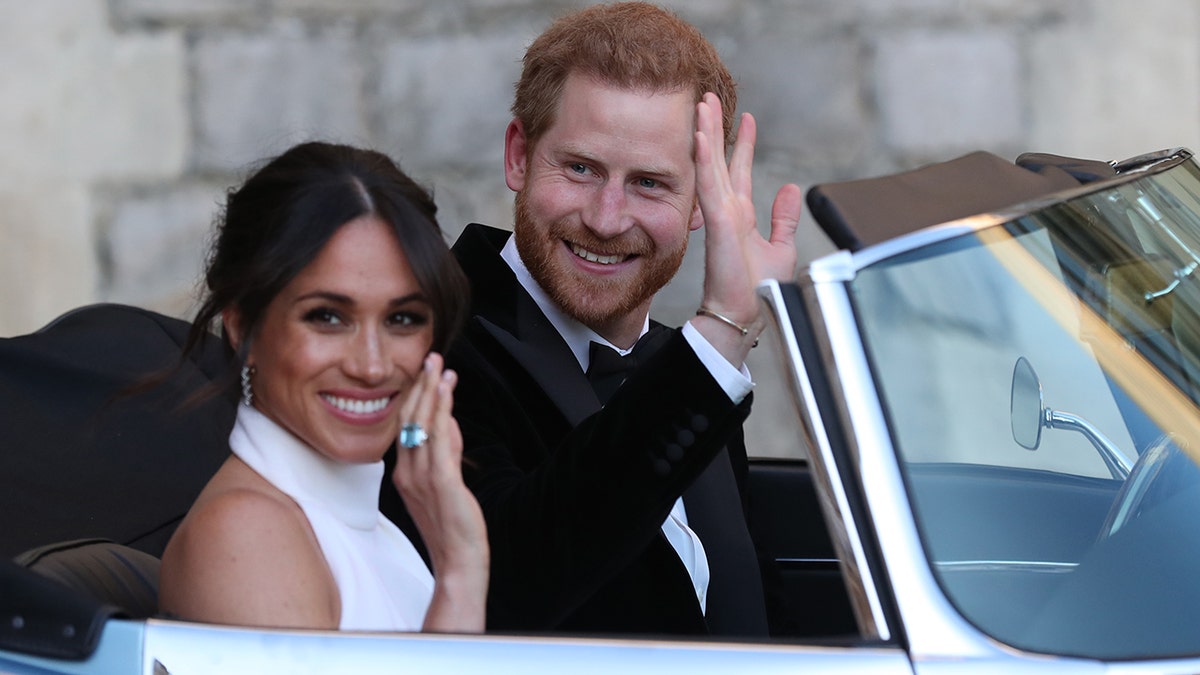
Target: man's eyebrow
{"type": "Point", "coordinates": [572, 152]}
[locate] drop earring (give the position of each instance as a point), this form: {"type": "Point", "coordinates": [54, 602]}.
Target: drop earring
{"type": "Point", "coordinates": [248, 372]}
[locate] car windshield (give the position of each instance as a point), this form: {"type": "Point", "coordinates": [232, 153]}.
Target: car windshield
{"type": "Point", "coordinates": [1040, 380]}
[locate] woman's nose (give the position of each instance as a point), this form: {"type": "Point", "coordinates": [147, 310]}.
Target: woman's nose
{"type": "Point", "coordinates": [368, 360]}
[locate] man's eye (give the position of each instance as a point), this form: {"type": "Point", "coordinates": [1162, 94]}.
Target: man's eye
{"type": "Point", "coordinates": [322, 315]}
{"type": "Point", "coordinates": [579, 168]}
{"type": "Point", "coordinates": [647, 183]}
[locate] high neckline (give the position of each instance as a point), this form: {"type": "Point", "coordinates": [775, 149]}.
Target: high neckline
{"type": "Point", "coordinates": [349, 491]}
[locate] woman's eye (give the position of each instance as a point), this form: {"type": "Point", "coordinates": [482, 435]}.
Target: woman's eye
{"type": "Point", "coordinates": [406, 319]}
{"type": "Point", "coordinates": [323, 315]}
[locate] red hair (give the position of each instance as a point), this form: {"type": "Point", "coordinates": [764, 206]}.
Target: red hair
{"type": "Point", "coordinates": [632, 45]}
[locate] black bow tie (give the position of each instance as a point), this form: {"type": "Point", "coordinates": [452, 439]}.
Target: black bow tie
{"type": "Point", "coordinates": [607, 369]}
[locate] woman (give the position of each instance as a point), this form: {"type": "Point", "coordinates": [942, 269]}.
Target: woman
{"type": "Point", "coordinates": [336, 292]}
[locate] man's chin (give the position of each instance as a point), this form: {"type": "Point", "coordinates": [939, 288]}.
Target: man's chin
{"type": "Point", "coordinates": [601, 307]}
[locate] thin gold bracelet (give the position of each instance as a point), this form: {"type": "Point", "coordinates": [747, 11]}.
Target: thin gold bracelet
{"type": "Point", "coordinates": [704, 311]}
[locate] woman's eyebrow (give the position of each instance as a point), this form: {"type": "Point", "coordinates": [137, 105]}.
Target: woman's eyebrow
{"type": "Point", "coordinates": [342, 299]}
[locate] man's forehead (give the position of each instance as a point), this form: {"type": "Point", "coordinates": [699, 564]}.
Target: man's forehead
{"type": "Point", "coordinates": [588, 101]}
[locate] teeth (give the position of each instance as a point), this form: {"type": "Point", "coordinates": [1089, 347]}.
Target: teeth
{"type": "Point", "coordinates": [357, 406]}
{"type": "Point", "coordinates": [595, 257]}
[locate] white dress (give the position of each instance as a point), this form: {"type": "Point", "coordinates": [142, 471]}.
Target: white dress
{"type": "Point", "coordinates": [383, 582]}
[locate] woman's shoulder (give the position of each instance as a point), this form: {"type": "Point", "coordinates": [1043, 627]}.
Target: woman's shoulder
{"type": "Point", "coordinates": [238, 502]}
{"type": "Point", "coordinates": [244, 551]}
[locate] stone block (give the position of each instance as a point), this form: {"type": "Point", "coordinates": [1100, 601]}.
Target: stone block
{"type": "Point", "coordinates": [806, 93]}
{"type": "Point", "coordinates": [1121, 81]}
{"type": "Point", "coordinates": [157, 246]}
{"type": "Point", "coordinates": [477, 195]}
{"type": "Point", "coordinates": [82, 103]}
{"type": "Point", "coordinates": [183, 11]}
{"type": "Point", "coordinates": [373, 7]}
{"type": "Point", "coordinates": [945, 92]}
{"type": "Point", "coordinates": [926, 12]}
{"type": "Point", "coordinates": [48, 263]}
{"type": "Point", "coordinates": [258, 94]}
{"type": "Point", "coordinates": [446, 100]}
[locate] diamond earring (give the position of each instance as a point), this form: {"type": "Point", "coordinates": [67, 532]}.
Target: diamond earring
{"type": "Point", "coordinates": [247, 391]}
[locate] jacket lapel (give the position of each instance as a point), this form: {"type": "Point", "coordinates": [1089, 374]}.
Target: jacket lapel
{"type": "Point", "coordinates": [507, 313]}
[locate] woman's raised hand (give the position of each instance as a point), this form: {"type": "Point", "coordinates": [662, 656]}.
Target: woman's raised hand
{"type": "Point", "coordinates": [429, 479]}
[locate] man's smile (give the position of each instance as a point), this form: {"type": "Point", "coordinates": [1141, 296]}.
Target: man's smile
{"type": "Point", "coordinates": [596, 257]}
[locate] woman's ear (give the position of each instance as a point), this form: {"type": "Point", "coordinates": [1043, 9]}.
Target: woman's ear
{"type": "Point", "coordinates": [231, 321]}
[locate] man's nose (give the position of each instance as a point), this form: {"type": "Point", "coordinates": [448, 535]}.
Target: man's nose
{"type": "Point", "coordinates": [608, 213]}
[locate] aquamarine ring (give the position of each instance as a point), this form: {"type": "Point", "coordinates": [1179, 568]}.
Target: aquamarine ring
{"type": "Point", "coordinates": [412, 435]}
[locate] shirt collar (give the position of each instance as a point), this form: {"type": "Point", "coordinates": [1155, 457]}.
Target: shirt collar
{"type": "Point", "coordinates": [577, 336]}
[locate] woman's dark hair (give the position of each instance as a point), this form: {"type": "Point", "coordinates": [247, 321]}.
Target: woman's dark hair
{"type": "Point", "coordinates": [278, 221]}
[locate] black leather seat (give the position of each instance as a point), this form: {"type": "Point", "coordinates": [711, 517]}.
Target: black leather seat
{"type": "Point", "coordinates": [111, 573]}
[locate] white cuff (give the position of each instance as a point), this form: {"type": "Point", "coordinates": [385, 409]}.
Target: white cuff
{"type": "Point", "coordinates": [734, 381]}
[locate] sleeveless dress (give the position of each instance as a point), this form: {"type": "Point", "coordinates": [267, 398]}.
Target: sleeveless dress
{"type": "Point", "coordinates": [383, 582]}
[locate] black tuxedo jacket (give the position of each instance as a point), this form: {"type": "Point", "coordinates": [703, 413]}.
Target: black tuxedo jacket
{"type": "Point", "coordinates": [575, 495]}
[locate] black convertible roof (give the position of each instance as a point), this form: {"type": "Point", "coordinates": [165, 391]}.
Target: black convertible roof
{"type": "Point", "coordinates": [80, 457]}
{"type": "Point", "coordinates": [858, 213]}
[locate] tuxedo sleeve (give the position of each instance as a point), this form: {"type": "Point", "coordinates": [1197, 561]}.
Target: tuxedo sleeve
{"type": "Point", "coordinates": [567, 508]}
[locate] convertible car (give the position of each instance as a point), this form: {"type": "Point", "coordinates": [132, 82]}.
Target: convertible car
{"type": "Point", "coordinates": [995, 382]}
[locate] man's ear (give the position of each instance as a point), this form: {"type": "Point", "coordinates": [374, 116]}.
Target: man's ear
{"type": "Point", "coordinates": [516, 157]}
{"type": "Point", "coordinates": [231, 321]}
{"type": "Point", "coordinates": [697, 220]}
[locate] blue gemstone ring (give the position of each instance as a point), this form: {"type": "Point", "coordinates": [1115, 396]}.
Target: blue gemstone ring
{"type": "Point", "coordinates": [412, 435]}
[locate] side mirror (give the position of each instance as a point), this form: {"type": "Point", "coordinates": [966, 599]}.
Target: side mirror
{"type": "Point", "coordinates": [1026, 408]}
{"type": "Point", "coordinates": [1028, 414]}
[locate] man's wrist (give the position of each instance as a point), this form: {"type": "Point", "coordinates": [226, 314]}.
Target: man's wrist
{"type": "Point", "coordinates": [733, 379]}
{"type": "Point", "coordinates": [704, 311]}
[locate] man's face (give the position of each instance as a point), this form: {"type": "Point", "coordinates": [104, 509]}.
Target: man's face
{"type": "Point", "coordinates": [605, 199]}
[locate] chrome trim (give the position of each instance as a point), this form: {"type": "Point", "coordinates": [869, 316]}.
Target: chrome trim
{"type": "Point", "coordinates": [182, 648]}
{"type": "Point", "coordinates": [1150, 160]}
{"type": "Point", "coordinates": [1117, 463]}
{"type": "Point", "coordinates": [994, 565]}
{"type": "Point", "coordinates": [922, 238]}
{"type": "Point", "coordinates": [843, 530]}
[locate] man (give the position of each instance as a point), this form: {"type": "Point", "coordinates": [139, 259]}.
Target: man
{"type": "Point", "coordinates": [621, 516]}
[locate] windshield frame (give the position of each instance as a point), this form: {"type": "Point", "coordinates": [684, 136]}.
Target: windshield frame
{"type": "Point", "coordinates": [931, 623]}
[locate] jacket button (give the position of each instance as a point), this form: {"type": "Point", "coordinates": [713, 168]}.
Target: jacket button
{"type": "Point", "coordinates": [662, 467]}
{"type": "Point", "coordinates": [699, 424]}
{"type": "Point", "coordinates": [685, 438]}
{"type": "Point", "coordinates": [673, 452]}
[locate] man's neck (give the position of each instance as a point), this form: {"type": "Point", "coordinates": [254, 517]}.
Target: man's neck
{"type": "Point", "coordinates": [576, 334]}
{"type": "Point", "coordinates": [624, 332]}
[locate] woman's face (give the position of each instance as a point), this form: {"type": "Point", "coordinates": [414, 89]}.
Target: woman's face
{"type": "Point", "coordinates": [342, 343]}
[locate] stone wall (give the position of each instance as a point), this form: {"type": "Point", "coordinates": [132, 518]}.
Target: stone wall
{"type": "Point", "coordinates": [125, 120]}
